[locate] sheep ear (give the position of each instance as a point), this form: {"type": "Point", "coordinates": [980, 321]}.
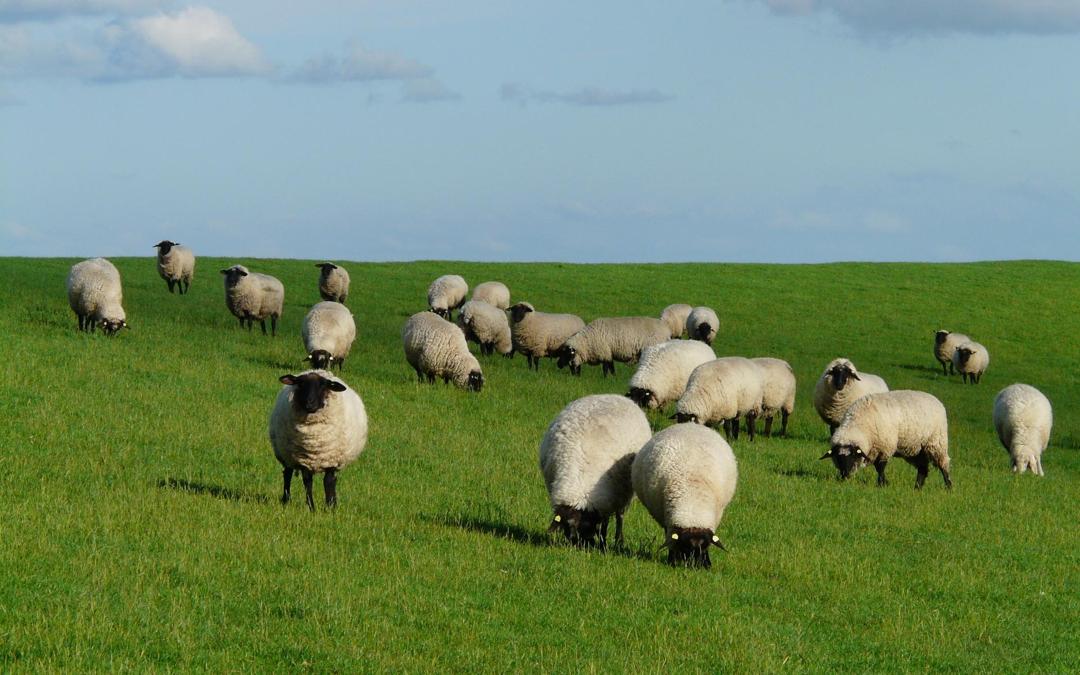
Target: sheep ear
{"type": "Point", "coordinates": [287, 379]}
{"type": "Point", "coordinates": [554, 523]}
{"type": "Point", "coordinates": [335, 386]}
{"type": "Point", "coordinates": [856, 376]}
{"type": "Point", "coordinates": [719, 544]}
{"type": "Point", "coordinates": [826, 455]}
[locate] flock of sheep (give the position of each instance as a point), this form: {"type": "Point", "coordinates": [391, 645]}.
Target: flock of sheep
{"type": "Point", "coordinates": [599, 452]}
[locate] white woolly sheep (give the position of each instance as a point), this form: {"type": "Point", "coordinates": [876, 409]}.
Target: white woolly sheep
{"type": "Point", "coordinates": [328, 331]}
{"type": "Point", "coordinates": [611, 339]}
{"type": "Point", "coordinates": [494, 293]}
{"type": "Point", "coordinates": [702, 324]}
{"type": "Point", "coordinates": [840, 386]}
{"type": "Point", "coordinates": [664, 369]}
{"type": "Point", "coordinates": [96, 296]}
{"type": "Point", "coordinates": [778, 386]}
{"type": "Point", "coordinates": [333, 282]}
{"type": "Point", "coordinates": [971, 360]}
{"type": "Point", "coordinates": [446, 294]}
{"type": "Point", "coordinates": [538, 334]}
{"type": "Point", "coordinates": [685, 476]}
{"type": "Point", "coordinates": [945, 343]}
{"type": "Point", "coordinates": [1023, 419]}
{"type": "Point", "coordinates": [434, 347]}
{"type": "Point", "coordinates": [250, 296]}
{"type": "Point", "coordinates": [723, 390]}
{"type": "Point", "coordinates": [585, 457]}
{"type": "Point", "coordinates": [487, 326]}
{"type": "Point", "coordinates": [175, 264]}
{"type": "Point", "coordinates": [910, 424]}
{"type": "Point", "coordinates": [317, 425]}
{"type": "Point", "coordinates": [675, 317]}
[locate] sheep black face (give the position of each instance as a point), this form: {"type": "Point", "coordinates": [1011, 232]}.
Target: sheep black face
{"type": "Point", "coordinates": [567, 356]}
{"type": "Point", "coordinates": [940, 336]}
{"type": "Point", "coordinates": [476, 380]}
{"type": "Point", "coordinates": [326, 267]}
{"type": "Point", "coordinates": [643, 397]}
{"type": "Point", "coordinates": [840, 374]}
{"type": "Point", "coordinates": [690, 546]}
{"type": "Point", "coordinates": [233, 275]}
{"type": "Point", "coordinates": [580, 527]}
{"type": "Point", "coordinates": [443, 312]}
{"type": "Point", "coordinates": [111, 326]}
{"type": "Point", "coordinates": [703, 331]}
{"type": "Point", "coordinates": [963, 355]}
{"type": "Point", "coordinates": [320, 358]}
{"type": "Point", "coordinates": [310, 391]}
{"type": "Point", "coordinates": [846, 458]}
{"type": "Point", "coordinates": [518, 312]}
{"type": "Point", "coordinates": [164, 247]}
{"type": "Point", "coordinates": [682, 418]}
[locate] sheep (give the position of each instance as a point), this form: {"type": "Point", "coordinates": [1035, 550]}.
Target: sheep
{"type": "Point", "coordinates": [840, 386]}
{"type": "Point", "coordinates": [723, 390]}
{"type": "Point", "coordinates": [1023, 419]}
{"type": "Point", "coordinates": [685, 476]}
{"type": "Point", "coordinates": [328, 332]}
{"type": "Point", "coordinates": [607, 340]}
{"type": "Point", "coordinates": [96, 296]}
{"type": "Point", "coordinates": [778, 392]}
{"type": "Point", "coordinates": [910, 424]}
{"type": "Point", "coordinates": [971, 359]}
{"type": "Point", "coordinates": [317, 425]}
{"type": "Point", "coordinates": [446, 294]}
{"type": "Point", "coordinates": [492, 292]}
{"type": "Point", "coordinates": [585, 457]}
{"type": "Point", "coordinates": [250, 296]}
{"type": "Point", "coordinates": [486, 325]}
{"type": "Point", "coordinates": [945, 343]}
{"type": "Point", "coordinates": [664, 370]}
{"type": "Point", "coordinates": [333, 282]}
{"type": "Point", "coordinates": [538, 334]}
{"type": "Point", "coordinates": [675, 317]}
{"type": "Point", "coordinates": [434, 347]}
{"type": "Point", "coordinates": [702, 324]}
{"type": "Point", "coordinates": [175, 264]}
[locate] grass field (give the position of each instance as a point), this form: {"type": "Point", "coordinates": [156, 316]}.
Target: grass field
{"type": "Point", "coordinates": [141, 528]}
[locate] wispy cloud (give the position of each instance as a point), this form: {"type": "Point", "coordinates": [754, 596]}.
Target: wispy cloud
{"type": "Point", "coordinates": [363, 65]}
{"type": "Point", "coordinates": [586, 96]}
{"type": "Point", "coordinates": [15, 11]}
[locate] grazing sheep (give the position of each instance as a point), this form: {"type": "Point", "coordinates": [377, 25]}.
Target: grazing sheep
{"type": "Point", "coordinates": [723, 390]}
{"type": "Point", "coordinates": [675, 317]}
{"type": "Point", "coordinates": [175, 264]}
{"type": "Point", "coordinates": [333, 282]}
{"type": "Point", "coordinates": [1023, 419]}
{"type": "Point", "coordinates": [538, 334]}
{"type": "Point", "coordinates": [910, 424]}
{"type": "Point", "coordinates": [840, 386]}
{"type": "Point", "coordinates": [250, 296]}
{"type": "Point", "coordinates": [945, 343]}
{"type": "Point", "coordinates": [486, 325]}
{"type": "Point", "coordinates": [493, 293]}
{"type": "Point", "coordinates": [317, 425]}
{"type": "Point", "coordinates": [328, 332]}
{"type": "Point", "coordinates": [702, 324]}
{"type": "Point", "coordinates": [664, 370]}
{"type": "Point", "coordinates": [446, 294]}
{"type": "Point", "coordinates": [434, 347]}
{"type": "Point", "coordinates": [971, 360]}
{"type": "Point", "coordinates": [778, 392]}
{"type": "Point", "coordinates": [607, 340]}
{"type": "Point", "coordinates": [685, 476]}
{"type": "Point", "coordinates": [96, 296]}
{"type": "Point", "coordinates": [585, 457]}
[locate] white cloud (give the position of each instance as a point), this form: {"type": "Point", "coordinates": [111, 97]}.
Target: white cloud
{"type": "Point", "coordinates": [360, 65]}
{"type": "Point", "coordinates": [12, 11]}
{"type": "Point", "coordinates": [586, 96]}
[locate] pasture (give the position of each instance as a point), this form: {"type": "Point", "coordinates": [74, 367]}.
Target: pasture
{"type": "Point", "coordinates": [142, 529]}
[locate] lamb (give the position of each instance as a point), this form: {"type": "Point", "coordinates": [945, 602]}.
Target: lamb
{"type": "Point", "coordinates": [175, 264]}
{"type": "Point", "coordinates": [585, 457]}
{"type": "Point", "coordinates": [250, 296]}
{"type": "Point", "coordinates": [675, 317]}
{"type": "Point", "coordinates": [607, 340]}
{"type": "Point", "coordinates": [778, 392]}
{"type": "Point", "coordinates": [840, 386]}
{"type": "Point", "coordinates": [1023, 419]}
{"type": "Point", "coordinates": [910, 424]}
{"type": "Point", "coordinates": [538, 334]}
{"type": "Point", "coordinates": [945, 343]}
{"type": "Point", "coordinates": [317, 425]}
{"type": "Point", "coordinates": [328, 332]}
{"type": "Point", "coordinates": [702, 324]}
{"type": "Point", "coordinates": [486, 325]}
{"type": "Point", "coordinates": [96, 296]}
{"type": "Point", "coordinates": [664, 370]}
{"type": "Point", "coordinates": [685, 476]}
{"type": "Point", "coordinates": [492, 292]}
{"type": "Point", "coordinates": [446, 294]}
{"type": "Point", "coordinates": [333, 282]}
{"type": "Point", "coordinates": [971, 359]}
{"type": "Point", "coordinates": [434, 347]}
{"type": "Point", "coordinates": [723, 390]}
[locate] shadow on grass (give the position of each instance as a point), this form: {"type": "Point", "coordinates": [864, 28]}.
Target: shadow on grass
{"type": "Point", "coordinates": [919, 368]}
{"type": "Point", "coordinates": [277, 364]}
{"type": "Point", "coordinates": [195, 487]}
{"type": "Point", "coordinates": [799, 473]}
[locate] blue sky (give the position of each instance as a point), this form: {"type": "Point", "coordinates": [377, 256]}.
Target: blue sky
{"type": "Point", "coordinates": [744, 130]}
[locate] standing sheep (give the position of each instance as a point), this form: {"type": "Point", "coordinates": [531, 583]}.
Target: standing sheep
{"type": "Point", "coordinates": [702, 324]}
{"type": "Point", "coordinates": [945, 343]}
{"type": "Point", "coordinates": [493, 293]}
{"type": "Point", "coordinates": [328, 332]}
{"type": "Point", "coordinates": [486, 325]}
{"type": "Point", "coordinates": [446, 294]}
{"type": "Point", "coordinates": [675, 317]}
{"type": "Point", "coordinates": [317, 425]}
{"type": "Point", "coordinates": [778, 387]}
{"type": "Point", "coordinates": [607, 340]}
{"type": "Point", "coordinates": [538, 334]}
{"type": "Point", "coordinates": [971, 359]}
{"type": "Point", "coordinates": [1023, 419]}
{"type": "Point", "coordinates": [723, 390]}
{"type": "Point", "coordinates": [585, 457]}
{"type": "Point", "coordinates": [664, 370]}
{"type": "Point", "coordinates": [434, 347]}
{"type": "Point", "coordinates": [840, 386]}
{"type": "Point", "coordinates": [175, 264]}
{"type": "Point", "coordinates": [250, 296]}
{"type": "Point", "coordinates": [333, 282]}
{"type": "Point", "coordinates": [685, 476]}
{"type": "Point", "coordinates": [96, 296]}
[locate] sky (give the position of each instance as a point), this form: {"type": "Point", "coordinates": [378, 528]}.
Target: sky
{"type": "Point", "coordinates": [493, 130]}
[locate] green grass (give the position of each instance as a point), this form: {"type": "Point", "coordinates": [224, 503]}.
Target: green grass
{"type": "Point", "coordinates": [141, 527]}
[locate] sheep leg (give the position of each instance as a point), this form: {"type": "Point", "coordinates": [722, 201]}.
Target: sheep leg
{"type": "Point", "coordinates": [329, 483]}
{"type": "Point", "coordinates": [306, 475]}
{"type": "Point", "coordinates": [727, 429]}
{"type": "Point", "coordinates": [171, 284]}
{"type": "Point", "coordinates": [880, 466]}
{"type": "Point", "coordinates": [273, 325]}
{"type": "Point", "coordinates": [262, 324]}
{"type": "Point", "coordinates": [768, 427]}
{"type": "Point", "coordinates": [286, 483]}
{"type": "Point", "coordinates": [735, 428]}
{"type": "Point", "coordinates": [618, 528]}
{"type": "Point", "coordinates": [783, 423]}
{"type": "Point", "coordinates": [922, 468]}
{"type": "Point", "coordinates": [751, 424]}
{"type": "Point", "coordinates": [603, 534]}
{"type": "Point", "coordinates": [945, 477]}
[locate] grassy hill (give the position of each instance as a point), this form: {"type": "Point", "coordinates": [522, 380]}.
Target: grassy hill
{"type": "Point", "coordinates": [141, 527]}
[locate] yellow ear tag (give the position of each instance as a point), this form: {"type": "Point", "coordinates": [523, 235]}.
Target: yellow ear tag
{"type": "Point", "coordinates": [715, 539]}
{"type": "Point", "coordinates": [558, 519]}
{"type": "Point", "coordinates": [675, 535]}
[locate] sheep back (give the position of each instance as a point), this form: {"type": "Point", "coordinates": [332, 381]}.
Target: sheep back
{"type": "Point", "coordinates": [702, 324]}
{"type": "Point", "coordinates": [329, 326]}
{"type": "Point", "coordinates": [664, 370]}
{"type": "Point", "coordinates": [675, 317]}
{"type": "Point", "coordinates": [1023, 419]}
{"type": "Point", "coordinates": [976, 363]}
{"type": "Point", "coordinates": [903, 423]}
{"type": "Point", "coordinates": [778, 386]}
{"type": "Point", "coordinates": [831, 404]}
{"type": "Point", "coordinates": [540, 333]}
{"type": "Point", "coordinates": [486, 324]}
{"type": "Point", "coordinates": [330, 438]}
{"type": "Point", "coordinates": [333, 282]}
{"type": "Point", "coordinates": [447, 293]}
{"type": "Point", "coordinates": [177, 265]}
{"type": "Point", "coordinates": [945, 343]}
{"type": "Point", "coordinates": [619, 338]}
{"type": "Point", "coordinates": [436, 348]}
{"type": "Point", "coordinates": [94, 290]}
{"type": "Point", "coordinates": [494, 293]}
{"type": "Point", "coordinates": [254, 295]}
{"type": "Point", "coordinates": [722, 389]}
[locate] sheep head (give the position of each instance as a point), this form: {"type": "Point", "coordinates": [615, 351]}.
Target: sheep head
{"type": "Point", "coordinates": [164, 246]}
{"type": "Point", "coordinates": [310, 391]}
{"type": "Point", "coordinates": [112, 326]}
{"type": "Point", "coordinates": [940, 336]}
{"type": "Point", "coordinates": [476, 380]}
{"type": "Point", "coordinates": [690, 546]}
{"type": "Point", "coordinates": [518, 311]}
{"type": "Point", "coordinates": [580, 527]}
{"type": "Point", "coordinates": [234, 274]}
{"type": "Point", "coordinates": [320, 358]}
{"type": "Point", "coordinates": [847, 458]}
{"type": "Point", "coordinates": [964, 353]}
{"type": "Point", "coordinates": [643, 397]}
{"type": "Point", "coordinates": [841, 373]}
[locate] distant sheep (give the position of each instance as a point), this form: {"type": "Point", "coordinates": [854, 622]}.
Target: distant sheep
{"type": "Point", "coordinates": [175, 264]}
{"type": "Point", "coordinates": [493, 293]}
{"type": "Point", "coordinates": [486, 325]}
{"type": "Point", "coordinates": [608, 340]}
{"type": "Point", "coordinates": [664, 370]}
{"type": "Point", "coordinates": [328, 331]}
{"type": "Point", "coordinates": [96, 296]}
{"type": "Point", "coordinates": [333, 282]}
{"type": "Point", "coordinates": [945, 343]}
{"type": "Point", "coordinates": [723, 390]}
{"type": "Point", "coordinates": [1023, 419]}
{"type": "Point", "coordinates": [778, 388]}
{"type": "Point", "coordinates": [538, 334]}
{"type": "Point", "coordinates": [434, 347]}
{"type": "Point", "coordinates": [702, 324]}
{"type": "Point", "coordinates": [446, 294]}
{"type": "Point", "coordinates": [971, 360]}
{"type": "Point", "coordinates": [251, 296]}
{"type": "Point", "coordinates": [840, 386]}
{"type": "Point", "coordinates": [675, 317]}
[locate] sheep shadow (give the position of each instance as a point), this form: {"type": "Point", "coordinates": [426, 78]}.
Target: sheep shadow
{"type": "Point", "coordinates": [918, 368]}
{"type": "Point", "coordinates": [216, 491]}
{"type": "Point", "coordinates": [277, 364]}
{"type": "Point", "coordinates": [799, 473]}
